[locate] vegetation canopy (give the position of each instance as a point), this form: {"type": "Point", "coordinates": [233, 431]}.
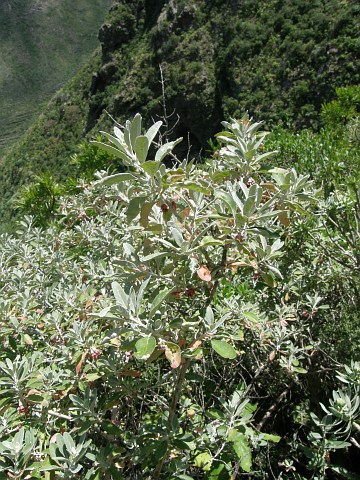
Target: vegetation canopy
{"type": "Point", "coordinates": [155, 327]}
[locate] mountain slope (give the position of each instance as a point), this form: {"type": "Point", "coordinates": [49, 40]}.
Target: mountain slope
{"type": "Point", "coordinates": [42, 43]}
{"type": "Point", "coordinates": [280, 60]}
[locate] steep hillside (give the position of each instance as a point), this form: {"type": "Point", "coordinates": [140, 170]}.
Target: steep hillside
{"type": "Point", "coordinates": [42, 43]}
{"type": "Point", "coordinates": [280, 60]}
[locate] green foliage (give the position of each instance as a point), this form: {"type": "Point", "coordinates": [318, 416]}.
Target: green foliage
{"type": "Point", "coordinates": [67, 455]}
{"type": "Point", "coordinates": [25, 161]}
{"type": "Point", "coordinates": [124, 354]}
{"type": "Point", "coordinates": [90, 159]}
{"type": "Point", "coordinates": [16, 453]}
{"type": "Point", "coordinates": [333, 430]}
{"type": "Point", "coordinates": [331, 156]}
{"type": "Point", "coordinates": [273, 59]}
{"type": "Point", "coordinates": [159, 321]}
{"type": "Point", "coordinates": [344, 108]}
{"type": "Point", "coordinates": [330, 243]}
{"type": "Point", "coordinates": [40, 199]}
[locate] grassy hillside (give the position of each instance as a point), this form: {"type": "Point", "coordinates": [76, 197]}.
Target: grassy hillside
{"type": "Point", "coordinates": [42, 43]}
{"type": "Point", "coordinates": [280, 60]}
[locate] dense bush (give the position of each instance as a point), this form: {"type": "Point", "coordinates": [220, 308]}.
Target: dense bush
{"type": "Point", "coordinates": [329, 242]}
{"type": "Point", "coordinates": [158, 326]}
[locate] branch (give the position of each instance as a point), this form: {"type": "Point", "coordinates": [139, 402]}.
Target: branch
{"type": "Point", "coordinates": [173, 408]}
{"type": "Point", "coordinates": [221, 270]}
{"type": "Point", "coordinates": [271, 410]}
{"type": "Point", "coordinates": [60, 415]}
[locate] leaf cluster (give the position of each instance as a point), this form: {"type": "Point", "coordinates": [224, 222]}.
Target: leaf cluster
{"type": "Point", "coordinates": [123, 323]}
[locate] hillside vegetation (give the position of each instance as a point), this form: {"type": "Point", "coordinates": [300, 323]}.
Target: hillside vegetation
{"type": "Point", "coordinates": [169, 314]}
{"type": "Point", "coordinates": [279, 60]}
{"type": "Point", "coordinates": [186, 322]}
{"type": "Point", "coordinates": [42, 44]}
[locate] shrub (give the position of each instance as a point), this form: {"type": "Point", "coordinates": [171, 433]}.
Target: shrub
{"type": "Point", "coordinates": [140, 332]}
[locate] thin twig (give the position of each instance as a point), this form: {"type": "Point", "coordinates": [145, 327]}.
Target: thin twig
{"type": "Point", "coordinates": [113, 119]}
{"type": "Point", "coordinates": [60, 415]}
